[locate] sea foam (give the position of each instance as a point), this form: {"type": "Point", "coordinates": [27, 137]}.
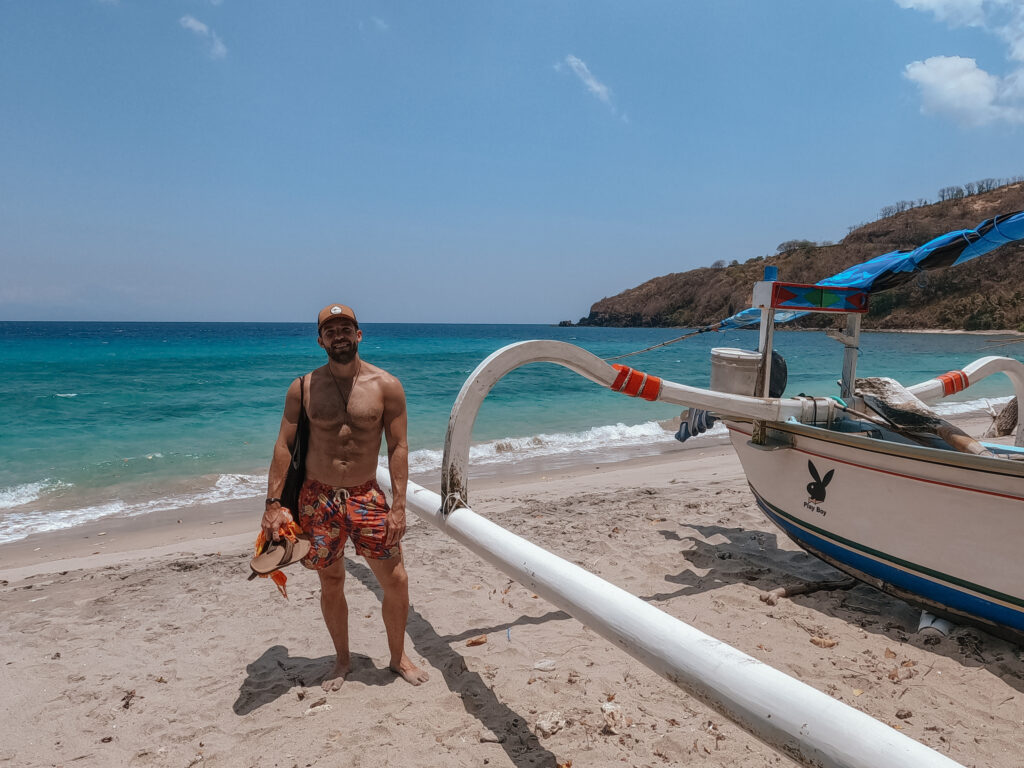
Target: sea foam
{"type": "Point", "coordinates": [18, 525]}
{"type": "Point", "coordinates": [984, 405]}
{"type": "Point", "coordinates": [19, 495]}
{"type": "Point", "coordinates": [511, 450]}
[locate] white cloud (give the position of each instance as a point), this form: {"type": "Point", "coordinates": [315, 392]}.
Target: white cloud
{"type": "Point", "coordinates": [217, 48]}
{"type": "Point", "coordinates": [195, 25]}
{"type": "Point", "coordinates": [955, 86]}
{"type": "Point", "coordinates": [956, 12]}
{"type": "Point", "coordinates": [595, 86]}
{"type": "Point", "coordinates": [599, 90]}
{"type": "Point", "coordinates": [376, 23]}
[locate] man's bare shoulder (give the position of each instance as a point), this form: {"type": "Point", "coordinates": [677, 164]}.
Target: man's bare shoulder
{"type": "Point", "coordinates": [379, 376]}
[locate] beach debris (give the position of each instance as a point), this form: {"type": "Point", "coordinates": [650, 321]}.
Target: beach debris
{"type": "Point", "coordinates": [1004, 423]}
{"type": "Point", "coordinates": [612, 718]}
{"type": "Point", "coordinates": [56, 655]}
{"type": "Point", "coordinates": [712, 729]}
{"type": "Point", "coordinates": [301, 695]}
{"type": "Point", "coordinates": [161, 679]}
{"type": "Point", "coordinates": [545, 665]}
{"type": "Point", "coordinates": [903, 672]}
{"type": "Point", "coordinates": [566, 764]}
{"type": "Point", "coordinates": [127, 699]}
{"type": "Point", "coordinates": [107, 739]}
{"type": "Point", "coordinates": [890, 654]}
{"type": "Point", "coordinates": [904, 714]}
{"type": "Point", "coordinates": [102, 533]}
{"type": "Point", "coordinates": [573, 677]}
{"type": "Point", "coordinates": [549, 724]}
{"type": "Point", "coordinates": [489, 737]}
{"type": "Point", "coordinates": [478, 640]}
{"type": "Point", "coordinates": [320, 705]}
{"type": "Point", "coordinates": [772, 597]}
{"type": "Point", "coordinates": [824, 642]}
{"type": "Point", "coordinates": [857, 692]}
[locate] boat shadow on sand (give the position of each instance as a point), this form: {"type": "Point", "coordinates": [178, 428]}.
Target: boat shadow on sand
{"type": "Point", "coordinates": [730, 556]}
{"type": "Point", "coordinates": [275, 673]}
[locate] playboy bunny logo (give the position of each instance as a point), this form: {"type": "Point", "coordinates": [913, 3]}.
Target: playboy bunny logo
{"type": "Point", "coordinates": [816, 490]}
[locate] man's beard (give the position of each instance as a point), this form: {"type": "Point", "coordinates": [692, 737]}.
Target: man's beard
{"type": "Point", "coordinates": [343, 356]}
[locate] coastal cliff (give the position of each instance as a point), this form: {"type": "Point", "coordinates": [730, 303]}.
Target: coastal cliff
{"type": "Point", "coordinates": [985, 294]}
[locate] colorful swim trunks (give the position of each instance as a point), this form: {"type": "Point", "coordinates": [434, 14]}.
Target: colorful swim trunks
{"type": "Point", "coordinates": [331, 515]}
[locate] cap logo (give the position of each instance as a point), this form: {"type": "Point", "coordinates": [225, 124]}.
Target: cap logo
{"type": "Point", "coordinates": [336, 310]}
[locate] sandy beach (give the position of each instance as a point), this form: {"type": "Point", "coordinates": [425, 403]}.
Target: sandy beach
{"type": "Point", "coordinates": [139, 642]}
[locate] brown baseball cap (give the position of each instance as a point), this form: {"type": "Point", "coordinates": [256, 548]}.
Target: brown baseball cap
{"type": "Point", "coordinates": [332, 311]}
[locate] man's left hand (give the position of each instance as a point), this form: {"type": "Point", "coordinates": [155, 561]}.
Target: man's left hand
{"type": "Point", "coordinates": [395, 522]}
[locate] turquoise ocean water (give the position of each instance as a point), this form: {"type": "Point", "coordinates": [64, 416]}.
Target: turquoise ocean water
{"type": "Point", "coordinates": [114, 419]}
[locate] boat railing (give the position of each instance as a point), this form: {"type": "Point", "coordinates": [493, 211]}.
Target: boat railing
{"type": "Point", "coordinates": [951, 383]}
{"type": "Point", "coordinates": [619, 378]}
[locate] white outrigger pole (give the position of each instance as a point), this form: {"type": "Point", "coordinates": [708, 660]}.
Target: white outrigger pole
{"type": "Point", "coordinates": [802, 723]}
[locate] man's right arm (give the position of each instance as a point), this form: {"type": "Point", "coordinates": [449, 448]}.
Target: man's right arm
{"type": "Point", "coordinates": [274, 515]}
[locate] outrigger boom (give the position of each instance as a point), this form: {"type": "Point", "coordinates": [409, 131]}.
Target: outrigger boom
{"type": "Point", "coordinates": [619, 378]}
{"type": "Point", "coordinates": [894, 516]}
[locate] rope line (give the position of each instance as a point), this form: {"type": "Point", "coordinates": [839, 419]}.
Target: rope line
{"type": "Point", "coordinates": [665, 343]}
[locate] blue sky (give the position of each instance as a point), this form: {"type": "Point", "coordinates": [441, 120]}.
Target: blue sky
{"type": "Point", "coordinates": [467, 161]}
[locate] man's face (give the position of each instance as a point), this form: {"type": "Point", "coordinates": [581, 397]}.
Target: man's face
{"type": "Point", "coordinates": [340, 339]}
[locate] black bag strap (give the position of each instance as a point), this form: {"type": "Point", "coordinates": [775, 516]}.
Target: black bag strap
{"type": "Point", "coordinates": [302, 428]}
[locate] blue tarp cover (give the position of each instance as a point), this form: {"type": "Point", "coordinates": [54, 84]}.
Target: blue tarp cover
{"type": "Point", "coordinates": [892, 269]}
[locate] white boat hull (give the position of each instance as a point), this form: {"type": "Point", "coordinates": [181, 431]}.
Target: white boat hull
{"type": "Point", "coordinates": [940, 529]}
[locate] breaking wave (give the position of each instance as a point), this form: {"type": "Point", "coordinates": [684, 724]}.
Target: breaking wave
{"type": "Point", "coordinates": [17, 525]}
{"type": "Point", "coordinates": [511, 450]}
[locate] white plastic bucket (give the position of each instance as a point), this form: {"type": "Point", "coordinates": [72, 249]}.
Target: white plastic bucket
{"type": "Point", "coordinates": [734, 370]}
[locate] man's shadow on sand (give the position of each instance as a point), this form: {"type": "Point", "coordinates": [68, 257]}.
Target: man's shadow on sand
{"type": "Point", "coordinates": [275, 673]}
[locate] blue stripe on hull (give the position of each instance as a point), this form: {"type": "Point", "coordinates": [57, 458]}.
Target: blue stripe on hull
{"type": "Point", "coordinates": [936, 592]}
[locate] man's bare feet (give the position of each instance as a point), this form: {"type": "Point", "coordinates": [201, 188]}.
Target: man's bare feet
{"type": "Point", "coordinates": [409, 671]}
{"type": "Point", "coordinates": [333, 680]}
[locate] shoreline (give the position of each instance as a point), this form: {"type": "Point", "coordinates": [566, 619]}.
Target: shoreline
{"type": "Point", "coordinates": [106, 537]}
{"type": "Point", "coordinates": [101, 542]}
{"type": "Point", "coordinates": [160, 653]}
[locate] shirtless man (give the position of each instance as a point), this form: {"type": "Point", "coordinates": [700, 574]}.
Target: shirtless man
{"type": "Point", "coordinates": [350, 404]}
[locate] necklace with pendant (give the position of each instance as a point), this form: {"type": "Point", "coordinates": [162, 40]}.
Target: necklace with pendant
{"type": "Point", "coordinates": [344, 400]}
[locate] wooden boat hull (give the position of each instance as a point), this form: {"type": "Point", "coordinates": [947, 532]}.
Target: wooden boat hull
{"type": "Point", "coordinates": [939, 529]}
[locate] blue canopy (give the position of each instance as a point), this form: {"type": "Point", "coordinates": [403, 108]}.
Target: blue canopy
{"type": "Point", "coordinates": [892, 269]}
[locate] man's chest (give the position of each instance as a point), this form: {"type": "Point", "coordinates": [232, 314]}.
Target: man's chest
{"type": "Point", "coordinates": [362, 410]}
